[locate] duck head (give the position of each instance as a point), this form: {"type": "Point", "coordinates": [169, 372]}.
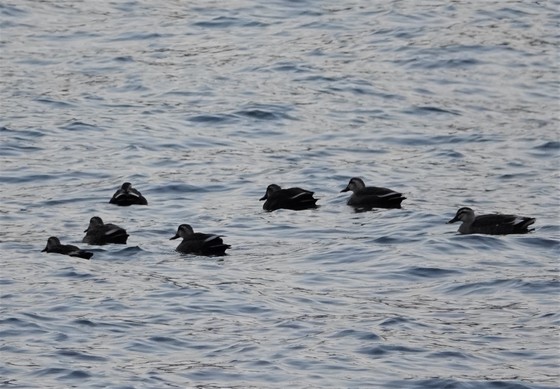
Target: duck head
{"type": "Point", "coordinates": [269, 190]}
{"type": "Point", "coordinates": [464, 214]}
{"type": "Point", "coordinates": [183, 231]}
{"type": "Point", "coordinates": [52, 242]}
{"type": "Point", "coordinates": [354, 185]}
{"type": "Point", "coordinates": [94, 222]}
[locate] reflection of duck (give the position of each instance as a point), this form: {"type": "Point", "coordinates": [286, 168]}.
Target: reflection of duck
{"type": "Point", "coordinates": [494, 224]}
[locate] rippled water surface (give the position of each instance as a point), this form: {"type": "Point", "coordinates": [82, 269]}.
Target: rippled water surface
{"type": "Point", "coordinates": [201, 105]}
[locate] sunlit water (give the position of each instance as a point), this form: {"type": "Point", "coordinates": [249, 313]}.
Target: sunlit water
{"type": "Point", "coordinates": [201, 106]}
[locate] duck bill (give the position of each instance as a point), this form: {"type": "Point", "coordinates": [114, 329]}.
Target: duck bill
{"type": "Point", "coordinates": [86, 230]}
{"type": "Point", "coordinates": [455, 219]}
{"type": "Point", "coordinates": [263, 198]}
{"type": "Point", "coordinates": [345, 190]}
{"type": "Point", "coordinates": [45, 249]}
{"type": "Point", "coordinates": [174, 237]}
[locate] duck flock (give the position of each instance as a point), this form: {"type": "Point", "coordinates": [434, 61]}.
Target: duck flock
{"type": "Point", "coordinates": [363, 198]}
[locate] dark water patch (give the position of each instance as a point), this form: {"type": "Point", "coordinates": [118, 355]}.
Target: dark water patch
{"type": "Point", "coordinates": [318, 78]}
{"type": "Point", "coordinates": [76, 375]}
{"type": "Point", "coordinates": [220, 22]}
{"type": "Point", "coordinates": [50, 371]}
{"type": "Point", "coordinates": [483, 287]}
{"type": "Point", "coordinates": [420, 140]}
{"type": "Point", "coordinates": [385, 350]}
{"type": "Point", "coordinates": [71, 273]}
{"type": "Point", "coordinates": [84, 322]}
{"type": "Point", "coordinates": [186, 190]}
{"type": "Point", "coordinates": [391, 240]}
{"type": "Point", "coordinates": [549, 287]}
{"type": "Point", "coordinates": [401, 322]}
{"type": "Point", "coordinates": [550, 145]}
{"type": "Point", "coordinates": [22, 133]}
{"type": "Point", "coordinates": [286, 66]}
{"type": "Point", "coordinates": [53, 203]}
{"type": "Point", "coordinates": [515, 176]}
{"type": "Point", "coordinates": [21, 333]}
{"type": "Point", "coordinates": [442, 383]}
{"type": "Point", "coordinates": [540, 242]}
{"type": "Point", "coordinates": [213, 118]}
{"type": "Point", "coordinates": [36, 62]}
{"type": "Point", "coordinates": [14, 321]}
{"type": "Point", "coordinates": [12, 10]}
{"type": "Point", "coordinates": [129, 251]}
{"type": "Point", "coordinates": [448, 355]}
{"type": "Point", "coordinates": [357, 90]}
{"type": "Point", "coordinates": [111, 304]}
{"type": "Point", "coordinates": [449, 154]}
{"type": "Point", "coordinates": [360, 335]}
{"type": "Point", "coordinates": [55, 103]}
{"type": "Point", "coordinates": [80, 126]}
{"type": "Point", "coordinates": [38, 317]}
{"type": "Point", "coordinates": [481, 242]}
{"type": "Point", "coordinates": [182, 292]}
{"type": "Point", "coordinates": [124, 59]}
{"type": "Point", "coordinates": [26, 178]}
{"type": "Point", "coordinates": [454, 63]}
{"type": "Point", "coordinates": [79, 355]}
{"type": "Point", "coordinates": [262, 114]}
{"type": "Point", "coordinates": [189, 93]}
{"type": "Point", "coordinates": [427, 110]}
{"type": "Point", "coordinates": [169, 342]}
{"type": "Point", "coordinates": [135, 36]}
{"type": "Point", "coordinates": [17, 149]}
{"type": "Point", "coordinates": [429, 272]}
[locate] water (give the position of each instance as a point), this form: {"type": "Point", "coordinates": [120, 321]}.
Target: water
{"type": "Point", "coordinates": [201, 105]}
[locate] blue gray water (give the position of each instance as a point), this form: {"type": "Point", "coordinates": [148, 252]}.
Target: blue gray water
{"type": "Point", "coordinates": [201, 105]}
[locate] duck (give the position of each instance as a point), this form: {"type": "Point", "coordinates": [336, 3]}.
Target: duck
{"type": "Point", "coordinates": [99, 233]}
{"type": "Point", "coordinates": [127, 195]}
{"type": "Point", "coordinates": [54, 246]}
{"type": "Point", "coordinates": [292, 198]}
{"type": "Point", "coordinates": [199, 243]}
{"type": "Point", "coordinates": [371, 196]}
{"type": "Point", "coordinates": [493, 224]}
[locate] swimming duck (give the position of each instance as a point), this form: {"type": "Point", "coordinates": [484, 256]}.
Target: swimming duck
{"type": "Point", "coordinates": [199, 243]}
{"type": "Point", "coordinates": [495, 224]}
{"type": "Point", "coordinates": [54, 246]}
{"type": "Point", "coordinates": [372, 197]}
{"type": "Point", "coordinates": [99, 233]}
{"type": "Point", "coordinates": [291, 198]}
{"type": "Point", "coordinates": [127, 195]}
